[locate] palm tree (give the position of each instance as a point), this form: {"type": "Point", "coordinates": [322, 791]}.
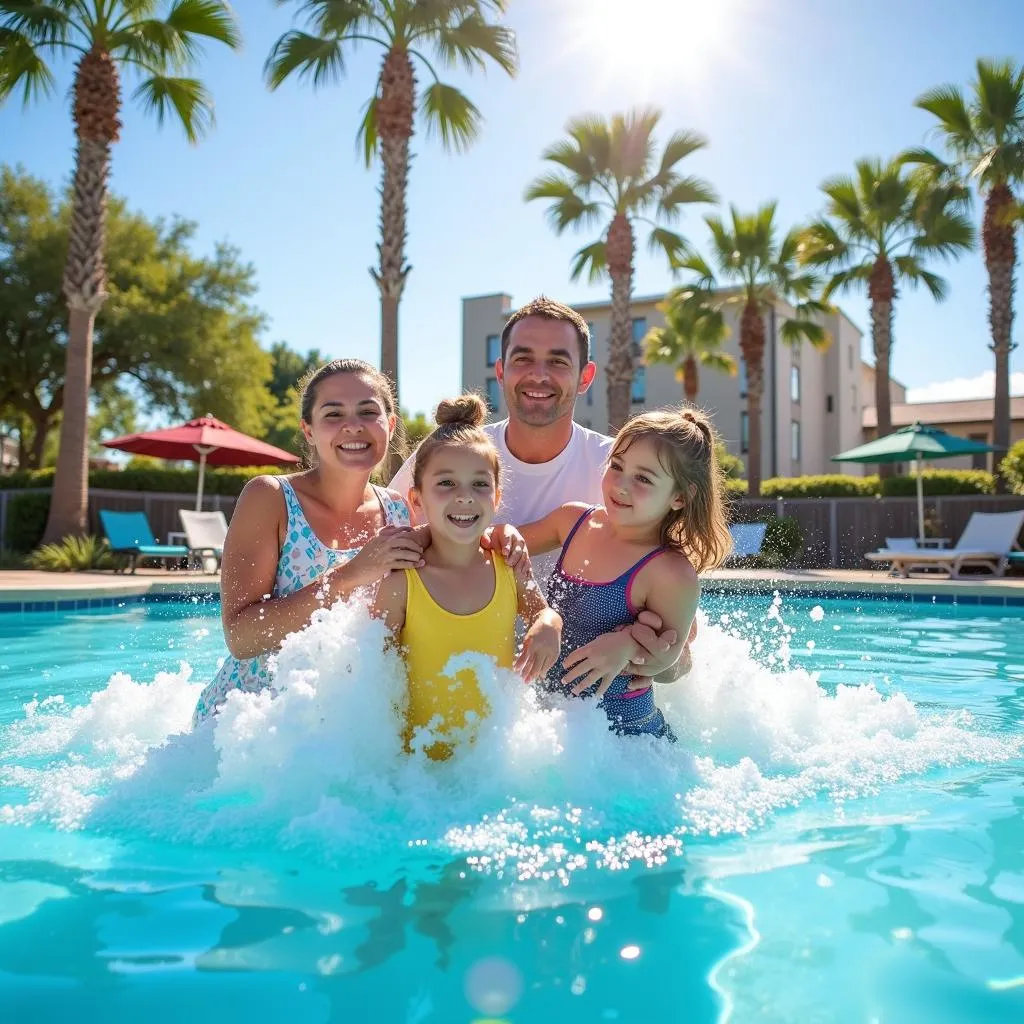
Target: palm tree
{"type": "Point", "coordinates": [608, 171]}
{"type": "Point", "coordinates": [880, 227]}
{"type": "Point", "coordinates": [693, 335]}
{"type": "Point", "coordinates": [760, 269]}
{"type": "Point", "coordinates": [458, 31]}
{"type": "Point", "coordinates": [106, 35]}
{"type": "Point", "coordinates": [984, 138]}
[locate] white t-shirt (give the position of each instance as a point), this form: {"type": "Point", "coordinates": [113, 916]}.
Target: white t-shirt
{"type": "Point", "coordinates": [529, 491]}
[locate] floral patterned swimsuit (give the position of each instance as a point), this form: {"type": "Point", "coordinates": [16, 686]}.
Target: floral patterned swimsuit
{"type": "Point", "coordinates": [303, 558]}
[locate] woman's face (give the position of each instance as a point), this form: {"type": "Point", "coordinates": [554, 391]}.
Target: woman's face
{"type": "Point", "coordinates": [350, 428]}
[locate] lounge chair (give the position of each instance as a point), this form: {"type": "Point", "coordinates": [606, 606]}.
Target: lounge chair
{"type": "Point", "coordinates": [129, 534]}
{"type": "Point", "coordinates": [986, 543]}
{"type": "Point", "coordinates": [204, 535]}
{"type": "Point", "coordinates": [901, 544]}
{"type": "Point", "coordinates": [747, 539]}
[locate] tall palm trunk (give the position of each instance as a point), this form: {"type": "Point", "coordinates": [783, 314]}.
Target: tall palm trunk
{"type": "Point", "coordinates": [395, 111]}
{"type": "Point", "coordinates": [752, 348]}
{"type": "Point", "coordinates": [882, 292]}
{"type": "Point", "coordinates": [691, 380]}
{"type": "Point", "coordinates": [619, 369]}
{"type": "Point", "coordinates": [97, 94]}
{"type": "Point", "coordinates": [1000, 256]}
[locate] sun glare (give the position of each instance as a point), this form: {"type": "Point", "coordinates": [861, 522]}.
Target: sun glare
{"type": "Point", "coordinates": [660, 41]}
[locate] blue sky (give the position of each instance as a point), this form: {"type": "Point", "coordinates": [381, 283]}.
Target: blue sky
{"type": "Point", "coordinates": [788, 92]}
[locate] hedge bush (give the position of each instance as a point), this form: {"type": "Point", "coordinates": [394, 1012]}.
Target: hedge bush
{"type": "Point", "coordinates": [1012, 467]}
{"type": "Point", "coordinates": [941, 481]}
{"type": "Point", "coordinates": [833, 485]}
{"type": "Point", "coordinates": [222, 480]}
{"type": "Point", "coordinates": [26, 521]}
{"type": "Point", "coordinates": [73, 554]}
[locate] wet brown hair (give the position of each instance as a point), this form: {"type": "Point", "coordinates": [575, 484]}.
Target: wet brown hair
{"type": "Point", "coordinates": [685, 442]}
{"type": "Point", "coordinates": [382, 389]}
{"type": "Point", "coordinates": [548, 309]}
{"type": "Point", "coordinates": [458, 423]}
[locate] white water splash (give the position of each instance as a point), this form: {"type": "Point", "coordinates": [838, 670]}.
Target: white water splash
{"type": "Point", "coordinates": [542, 792]}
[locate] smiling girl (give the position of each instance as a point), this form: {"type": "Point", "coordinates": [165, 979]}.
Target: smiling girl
{"type": "Point", "coordinates": [662, 523]}
{"type": "Point", "coordinates": [298, 543]}
{"type": "Point", "coordinates": [461, 598]}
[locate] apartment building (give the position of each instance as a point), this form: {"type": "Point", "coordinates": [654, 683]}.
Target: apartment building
{"type": "Point", "coordinates": [813, 405]}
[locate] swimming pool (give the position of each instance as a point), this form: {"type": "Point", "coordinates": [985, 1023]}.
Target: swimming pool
{"type": "Point", "coordinates": [837, 837]}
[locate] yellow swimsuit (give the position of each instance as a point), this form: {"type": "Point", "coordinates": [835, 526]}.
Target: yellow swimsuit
{"type": "Point", "coordinates": [431, 636]}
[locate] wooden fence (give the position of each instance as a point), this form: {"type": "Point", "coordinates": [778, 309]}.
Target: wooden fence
{"type": "Point", "coordinates": [838, 532]}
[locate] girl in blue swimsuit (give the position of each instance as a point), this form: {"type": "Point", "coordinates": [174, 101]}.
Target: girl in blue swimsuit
{"type": "Point", "coordinates": [662, 522]}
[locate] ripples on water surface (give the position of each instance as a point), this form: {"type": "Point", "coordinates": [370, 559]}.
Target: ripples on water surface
{"type": "Point", "coordinates": [836, 837]}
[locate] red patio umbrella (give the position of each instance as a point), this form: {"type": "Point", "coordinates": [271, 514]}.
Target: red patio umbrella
{"type": "Point", "coordinates": [205, 440]}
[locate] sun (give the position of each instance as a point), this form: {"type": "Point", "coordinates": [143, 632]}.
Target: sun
{"type": "Point", "coordinates": [657, 40]}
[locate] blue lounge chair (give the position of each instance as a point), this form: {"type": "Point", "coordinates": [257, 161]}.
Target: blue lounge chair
{"type": "Point", "coordinates": [747, 539]}
{"type": "Point", "coordinates": [129, 534]}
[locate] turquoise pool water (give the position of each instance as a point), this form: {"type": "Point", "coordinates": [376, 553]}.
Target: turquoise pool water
{"type": "Point", "coordinates": [837, 837]}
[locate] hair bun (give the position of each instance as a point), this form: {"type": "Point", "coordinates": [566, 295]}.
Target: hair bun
{"type": "Point", "coordinates": [469, 409]}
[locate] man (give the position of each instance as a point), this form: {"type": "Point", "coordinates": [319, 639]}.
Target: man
{"type": "Point", "coordinates": [547, 458]}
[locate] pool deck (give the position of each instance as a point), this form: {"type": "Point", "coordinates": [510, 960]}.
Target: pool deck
{"type": "Point", "coordinates": [27, 587]}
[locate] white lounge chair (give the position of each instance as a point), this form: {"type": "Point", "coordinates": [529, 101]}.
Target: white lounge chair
{"type": "Point", "coordinates": [901, 544]}
{"type": "Point", "coordinates": [747, 539]}
{"type": "Point", "coordinates": [204, 537]}
{"type": "Point", "coordinates": [986, 543]}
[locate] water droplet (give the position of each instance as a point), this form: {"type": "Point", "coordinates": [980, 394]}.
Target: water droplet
{"type": "Point", "coordinates": [595, 913]}
{"type": "Point", "coordinates": [629, 952]}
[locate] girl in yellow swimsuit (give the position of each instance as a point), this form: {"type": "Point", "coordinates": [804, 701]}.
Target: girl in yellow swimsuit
{"type": "Point", "coordinates": [464, 598]}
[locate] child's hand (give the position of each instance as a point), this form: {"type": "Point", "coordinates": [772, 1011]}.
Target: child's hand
{"type": "Point", "coordinates": [599, 662]}
{"type": "Point", "coordinates": [394, 548]}
{"type": "Point", "coordinates": [508, 540]}
{"type": "Point", "coordinates": [540, 647]}
{"type": "Point", "coordinates": [652, 639]}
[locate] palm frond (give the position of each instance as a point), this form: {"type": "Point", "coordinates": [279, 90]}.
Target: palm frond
{"type": "Point", "coordinates": [821, 245]}
{"type": "Point", "coordinates": [366, 136]}
{"type": "Point", "coordinates": [591, 258]}
{"type": "Point", "coordinates": [796, 329]}
{"type": "Point", "coordinates": [686, 190]}
{"type": "Point", "coordinates": [21, 65]}
{"type": "Point", "coordinates": [946, 103]}
{"type": "Point", "coordinates": [675, 247]}
{"type": "Point", "coordinates": [999, 88]}
{"type": "Point", "coordinates": [844, 280]}
{"type": "Point", "coordinates": [473, 38]}
{"type": "Point", "coordinates": [184, 98]}
{"type": "Point", "coordinates": [569, 207]}
{"type": "Point", "coordinates": [679, 146]}
{"type": "Point", "coordinates": [319, 59]}
{"type": "Point", "coordinates": [208, 19]}
{"type": "Point", "coordinates": [572, 158]}
{"type": "Point", "coordinates": [450, 115]}
{"type": "Point", "coordinates": [39, 23]}
{"type": "Point", "coordinates": [720, 362]}
{"type": "Point", "coordinates": [910, 270]}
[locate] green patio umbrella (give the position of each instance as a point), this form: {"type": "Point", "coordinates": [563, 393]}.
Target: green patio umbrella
{"type": "Point", "coordinates": [916, 442]}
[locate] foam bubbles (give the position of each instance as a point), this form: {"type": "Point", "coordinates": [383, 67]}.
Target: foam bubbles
{"type": "Point", "coordinates": [539, 790]}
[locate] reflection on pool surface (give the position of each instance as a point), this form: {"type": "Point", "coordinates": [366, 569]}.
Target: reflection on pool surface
{"type": "Point", "coordinates": [837, 836]}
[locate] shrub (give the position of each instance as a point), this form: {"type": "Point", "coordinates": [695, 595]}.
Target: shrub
{"type": "Point", "coordinates": [26, 520]}
{"type": "Point", "coordinates": [941, 481]}
{"type": "Point", "coordinates": [783, 543]}
{"type": "Point", "coordinates": [222, 480]}
{"type": "Point", "coordinates": [72, 554]}
{"type": "Point", "coordinates": [732, 465]}
{"type": "Point", "coordinates": [833, 485]}
{"type": "Point", "coordinates": [735, 488]}
{"type": "Point", "coordinates": [1012, 468]}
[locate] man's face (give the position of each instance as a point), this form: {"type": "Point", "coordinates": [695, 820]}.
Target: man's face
{"type": "Point", "coordinates": [540, 374]}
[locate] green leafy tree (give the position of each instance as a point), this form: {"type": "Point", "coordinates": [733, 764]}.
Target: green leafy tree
{"type": "Point", "coordinates": [288, 367]}
{"type": "Point", "coordinates": [983, 133]}
{"type": "Point", "coordinates": [609, 172]}
{"type": "Point", "coordinates": [879, 229]}
{"type": "Point", "coordinates": [104, 36]}
{"type": "Point", "coordinates": [458, 32]}
{"type": "Point", "coordinates": [176, 333]}
{"type": "Point", "coordinates": [694, 333]}
{"type": "Point", "coordinates": [758, 268]}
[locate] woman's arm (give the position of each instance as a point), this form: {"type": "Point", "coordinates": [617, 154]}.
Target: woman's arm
{"type": "Point", "coordinates": [254, 623]}
{"type": "Point", "coordinates": [550, 532]}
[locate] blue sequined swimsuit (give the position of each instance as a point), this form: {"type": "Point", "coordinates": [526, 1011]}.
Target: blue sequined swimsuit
{"type": "Point", "coordinates": [588, 611]}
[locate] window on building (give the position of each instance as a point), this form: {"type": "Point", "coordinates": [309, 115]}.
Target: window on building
{"type": "Point", "coordinates": [828, 403]}
{"type": "Point", "coordinates": [744, 432]}
{"type": "Point", "coordinates": [493, 395]}
{"type": "Point", "coordinates": [849, 356]}
{"type": "Point", "coordinates": [639, 393]}
{"type": "Point", "coordinates": [794, 384]}
{"type": "Point", "coordinates": [493, 348]}
{"type": "Point", "coordinates": [979, 460]}
{"type": "Point", "coordinates": [639, 329]}
{"type": "Point", "coordinates": [794, 441]}
{"type": "Point", "coordinates": [743, 378]}
{"type": "Point", "coordinates": [853, 394]}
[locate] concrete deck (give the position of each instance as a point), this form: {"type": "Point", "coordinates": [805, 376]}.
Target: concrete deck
{"type": "Point", "coordinates": [27, 585]}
